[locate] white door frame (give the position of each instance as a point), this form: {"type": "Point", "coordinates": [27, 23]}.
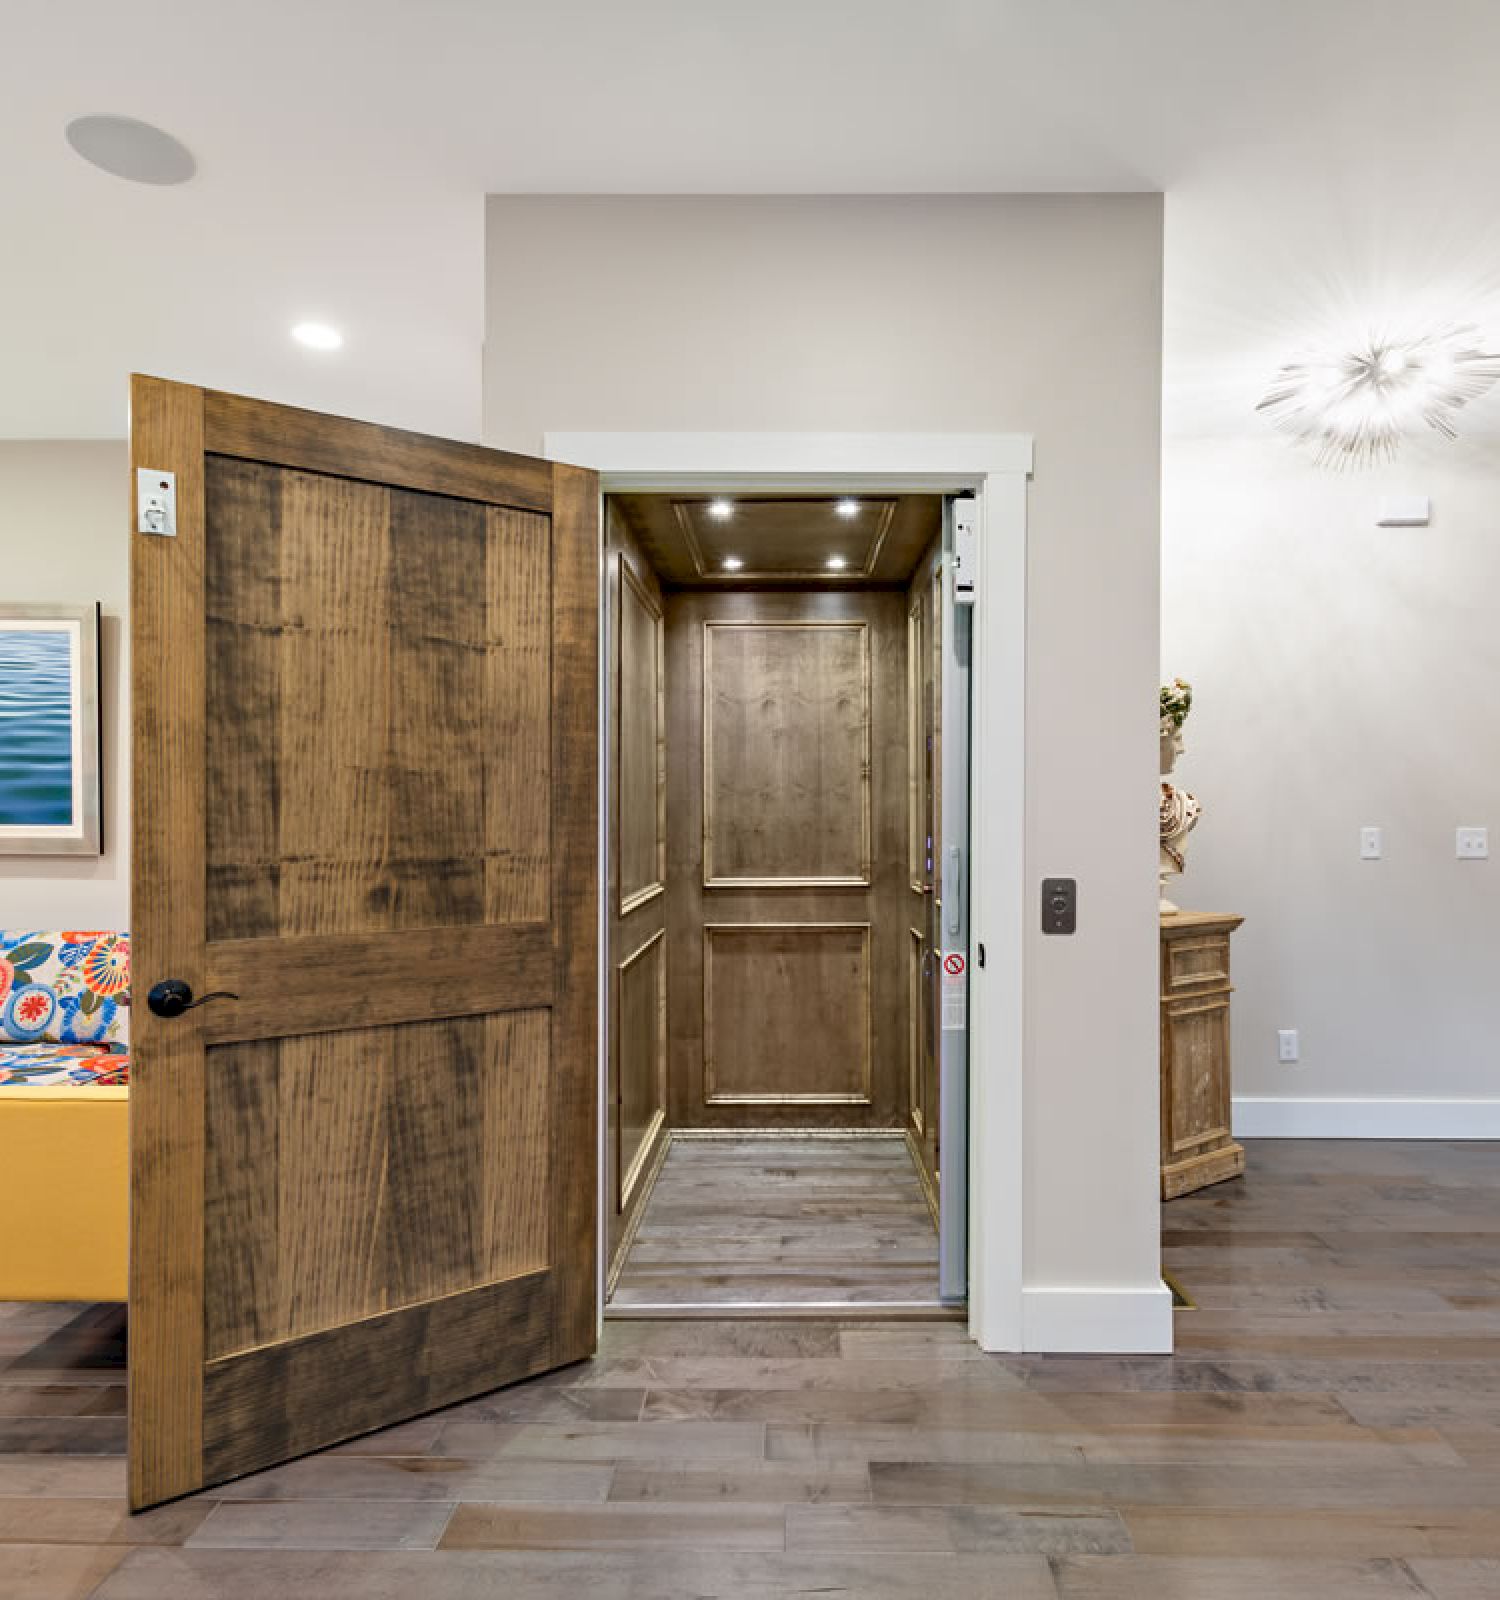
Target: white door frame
{"type": "Point", "coordinates": [995, 468]}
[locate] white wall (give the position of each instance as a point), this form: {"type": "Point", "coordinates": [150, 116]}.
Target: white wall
{"type": "Point", "coordinates": [1344, 676]}
{"type": "Point", "coordinates": [63, 537]}
{"type": "Point", "coordinates": [1036, 314]}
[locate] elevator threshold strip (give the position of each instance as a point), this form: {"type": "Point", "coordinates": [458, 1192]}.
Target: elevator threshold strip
{"type": "Point", "coordinates": [790, 1311]}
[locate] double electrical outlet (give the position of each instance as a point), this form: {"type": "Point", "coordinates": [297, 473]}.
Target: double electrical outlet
{"type": "Point", "coordinates": [1469, 844]}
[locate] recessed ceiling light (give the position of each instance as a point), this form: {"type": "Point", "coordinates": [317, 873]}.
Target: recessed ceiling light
{"type": "Point", "coordinates": [847, 508]}
{"type": "Point", "coordinates": [732, 563]}
{"type": "Point", "coordinates": [721, 510]}
{"type": "Point", "coordinates": [129, 149]}
{"type": "Point", "coordinates": [835, 563]}
{"type": "Point", "coordinates": [317, 336]}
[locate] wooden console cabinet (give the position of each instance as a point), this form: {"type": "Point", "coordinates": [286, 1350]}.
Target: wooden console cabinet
{"type": "Point", "coordinates": [1197, 1144]}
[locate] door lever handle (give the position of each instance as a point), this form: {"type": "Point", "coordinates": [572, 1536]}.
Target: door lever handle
{"type": "Point", "coordinates": [171, 997]}
{"type": "Point", "coordinates": [952, 887]}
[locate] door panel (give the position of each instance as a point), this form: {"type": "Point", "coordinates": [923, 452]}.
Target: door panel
{"type": "Point", "coordinates": [786, 753]}
{"type": "Point", "coordinates": [636, 1082]}
{"type": "Point", "coordinates": [786, 1015]}
{"type": "Point", "coordinates": [924, 712]}
{"type": "Point", "coordinates": [365, 739]}
{"type": "Point", "coordinates": [787, 794]}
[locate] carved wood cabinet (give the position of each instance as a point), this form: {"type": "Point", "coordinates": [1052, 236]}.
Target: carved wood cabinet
{"type": "Point", "coordinates": [1197, 1143]}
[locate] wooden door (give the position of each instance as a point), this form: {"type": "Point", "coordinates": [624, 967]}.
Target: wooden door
{"type": "Point", "coordinates": [786, 796]}
{"type": "Point", "coordinates": [924, 710]}
{"type": "Point", "coordinates": [365, 704]}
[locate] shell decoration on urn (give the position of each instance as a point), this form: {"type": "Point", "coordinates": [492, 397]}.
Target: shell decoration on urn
{"type": "Point", "coordinates": [1179, 809]}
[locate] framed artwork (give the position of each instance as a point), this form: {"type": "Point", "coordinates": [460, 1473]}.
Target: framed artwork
{"type": "Point", "coordinates": [49, 730]}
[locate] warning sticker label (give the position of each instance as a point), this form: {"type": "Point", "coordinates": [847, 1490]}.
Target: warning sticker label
{"type": "Point", "coordinates": [955, 1006]}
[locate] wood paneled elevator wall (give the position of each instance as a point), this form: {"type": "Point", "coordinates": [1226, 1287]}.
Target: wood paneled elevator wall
{"type": "Point", "coordinates": [786, 789]}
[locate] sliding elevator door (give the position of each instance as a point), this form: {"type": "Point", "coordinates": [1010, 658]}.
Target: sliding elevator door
{"type": "Point", "coordinates": [955, 636]}
{"type": "Point", "coordinates": [937, 926]}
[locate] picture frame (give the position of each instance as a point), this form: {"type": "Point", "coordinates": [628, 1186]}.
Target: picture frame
{"type": "Point", "coordinates": [50, 799]}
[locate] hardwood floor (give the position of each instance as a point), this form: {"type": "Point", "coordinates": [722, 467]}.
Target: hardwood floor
{"type": "Point", "coordinates": [740, 1221]}
{"type": "Point", "coordinates": [1329, 1430]}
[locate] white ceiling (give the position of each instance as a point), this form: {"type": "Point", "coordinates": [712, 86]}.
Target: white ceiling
{"type": "Point", "coordinates": [1326, 162]}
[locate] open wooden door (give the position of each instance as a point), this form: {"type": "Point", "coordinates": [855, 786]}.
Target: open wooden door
{"type": "Point", "coordinates": [365, 713]}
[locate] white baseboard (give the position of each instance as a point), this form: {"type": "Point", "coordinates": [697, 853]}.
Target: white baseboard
{"type": "Point", "coordinates": [1372, 1117]}
{"type": "Point", "coordinates": [1097, 1321]}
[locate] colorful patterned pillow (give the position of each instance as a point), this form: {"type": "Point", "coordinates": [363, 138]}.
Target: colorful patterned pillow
{"type": "Point", "coordinates": [46, 1066]}
{"type": "Point", "coordinates": [65, 988]}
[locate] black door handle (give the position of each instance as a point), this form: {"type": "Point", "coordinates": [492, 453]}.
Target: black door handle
{"type": "Point", "coordinates": [171, 997]}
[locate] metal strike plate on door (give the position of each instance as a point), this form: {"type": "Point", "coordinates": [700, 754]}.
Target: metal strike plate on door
{"type": "Point", "coordinates": [156, 502]}
{"type": "Point", "coordinates": [1059, 905]}
{"type": "Point", "coordinates": [965, 551]}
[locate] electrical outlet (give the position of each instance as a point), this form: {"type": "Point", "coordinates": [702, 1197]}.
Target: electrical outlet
{"type": "Point", "coordinates": [1288, 1047]}
{"type": "Point", "coordinates": [1371, 844]}
{"type": "Point", "coordinates": [1472, 844]}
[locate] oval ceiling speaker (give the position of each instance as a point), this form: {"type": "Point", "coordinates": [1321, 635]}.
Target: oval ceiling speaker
{"type": "Point", "coordinates": [130, 149]}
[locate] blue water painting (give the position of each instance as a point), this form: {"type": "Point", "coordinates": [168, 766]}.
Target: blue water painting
{"type": "Point", "coordinates": [36, 728]}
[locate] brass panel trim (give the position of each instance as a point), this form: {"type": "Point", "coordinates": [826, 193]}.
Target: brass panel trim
{"type": "Point", "coordinates": [647, 892]}
{"type": "Point", "coordinates": [633, 1224]}
{"type": "Point", "coordinates": [787, 1133]}
{"type": "Point", "coordinates": [641, 898]}
{"type": "Point", "coordinates": [924, 1182]}
{"type": "Point", "coordinates": [867, 1065]}
{"type": "Point", "coordinates": [864, 879]}
{"type": "Point", "coordinates": [629, 1175]}
{"type": "Point", "coordinates": [639, 1160]}
{"type": "Point", "coordinates": [787, 883]}
{"type": "Point", "coordinates": [914, 763]}
{"type": "Point", "coordinates": [914, 1031]}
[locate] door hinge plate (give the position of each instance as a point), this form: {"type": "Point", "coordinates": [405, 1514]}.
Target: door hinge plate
{"type": "Point", "coordinates": [156, 502]}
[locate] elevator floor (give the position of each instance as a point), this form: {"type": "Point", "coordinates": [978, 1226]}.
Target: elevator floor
{"type": "Point", "coordinates": [783, 1221]}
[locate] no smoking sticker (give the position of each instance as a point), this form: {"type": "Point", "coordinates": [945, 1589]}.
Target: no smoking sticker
{"type": "Point", "coordinates": [955, 991]}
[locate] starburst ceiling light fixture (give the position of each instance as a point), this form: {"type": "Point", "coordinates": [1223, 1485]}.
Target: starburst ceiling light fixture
{"type": "Point", "coordinates": [1353, 407]}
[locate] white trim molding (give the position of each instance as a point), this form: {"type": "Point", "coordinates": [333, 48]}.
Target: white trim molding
{"type": "Point", "coordinates": [1365, 1117]}
{"type": "Point", "coordinates": [1112, 1321]}
{"type": "Point", "coordinates": [994, 467]}
{"type": "Point", "coordinates": [890, 461]}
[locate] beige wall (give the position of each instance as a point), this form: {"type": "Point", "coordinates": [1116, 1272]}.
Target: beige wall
{"type": "Point", "coordinates": [63, 537]}
{"type": "Point", "coordinates": [1036, 314]}
{"type": "Point", "coordinates": [1345, 677]}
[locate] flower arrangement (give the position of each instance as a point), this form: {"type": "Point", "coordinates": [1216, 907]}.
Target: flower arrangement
{"type": "Point", "coordinates": [1176, 702]}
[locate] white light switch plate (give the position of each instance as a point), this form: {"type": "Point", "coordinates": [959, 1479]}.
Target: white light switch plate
{"type": "Point", "coordinates": [1371, 844]}
{"type": "Point", "coordinates": [1405, 511]}
{"type": "Point", "coordinates": [1472, 844]}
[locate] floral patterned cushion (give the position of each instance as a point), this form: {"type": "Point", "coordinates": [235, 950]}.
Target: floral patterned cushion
{"type": "Point", "coordinates": [65, 988]}
{"type": "Point", "coordinates": [39, 1065]}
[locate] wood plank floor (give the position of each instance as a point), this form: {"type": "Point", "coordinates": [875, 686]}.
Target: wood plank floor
{"type": "Point", "coordinates": [782, 1222]}
{"type": "Point", "coordinates": [1329, 1430]}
